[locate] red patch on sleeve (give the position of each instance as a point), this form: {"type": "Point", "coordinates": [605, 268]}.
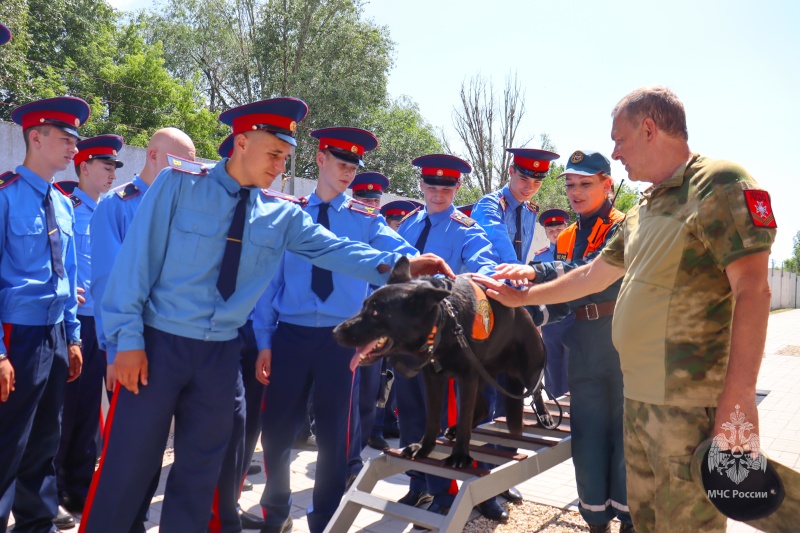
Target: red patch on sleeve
{"type": "Point", "coordinates": [758, 203]}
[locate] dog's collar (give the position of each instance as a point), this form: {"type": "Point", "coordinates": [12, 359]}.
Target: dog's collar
{"type": "Point", "coordinates": [435, 336]}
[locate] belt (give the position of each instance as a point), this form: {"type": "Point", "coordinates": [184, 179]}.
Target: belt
{"type": "Point", "coordinates": [595, 311]}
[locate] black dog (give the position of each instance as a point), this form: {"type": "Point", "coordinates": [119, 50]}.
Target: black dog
{"type": "Point", "coordinates": [416, 324]}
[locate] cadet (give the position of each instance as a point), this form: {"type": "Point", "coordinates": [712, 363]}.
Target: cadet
{"type": "Point", "coordinates": [95, 164]}
{"type": "Point", "coordinates": [554, 222]}
{"type": "Point", "coordinates": [368, 188]}
{"type": "Point", "coordinates": [5, 35]}
{"type": "Point", "coordinates": [294, 321]}
{"type": "Point", "coordinates": [41, 348]}
{"type": "Point", "coordinates": [456, 238]}
{"type": "Point", "coordinates": [394, 212]}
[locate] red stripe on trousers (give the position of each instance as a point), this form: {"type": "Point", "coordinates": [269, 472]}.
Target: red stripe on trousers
{"type": "Point", "coordinates": [452, 419]}
{"type": "Point", "coordinates": [7, 336]}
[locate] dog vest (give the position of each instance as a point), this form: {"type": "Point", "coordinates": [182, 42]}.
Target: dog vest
{"type": "Point", "coordinates": [566, 241]}
{"type": "Point", "coordinates": [483, 323]}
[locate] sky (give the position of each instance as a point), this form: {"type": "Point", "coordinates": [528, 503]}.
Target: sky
{"type": "Point", "coordinates": [734, 64]}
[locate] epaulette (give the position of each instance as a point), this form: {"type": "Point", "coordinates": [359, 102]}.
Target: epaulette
{"type": "Point", "coordinates": [67, 188]}
{"type": "Point", "coordinates": [184, 165]}
{"type": "Point", "coordinates": [302, 201]}
{"type": "Point", "coordinates": [361, 207]}
{"type": "Point", "coordinates": [127, 191]}
{"type": "Point", "coordinates": [532, 206]}
{"type": "Point", "coordinates": [7, 178]}
{"type": "Point", "coordinates": [412, 213]}
{"type": "Point", "coordinates": [543, 250]}
{"type": "Point", "coordinates": [503, 203]}
{"type": "Point", "coordinates": [463, 219]}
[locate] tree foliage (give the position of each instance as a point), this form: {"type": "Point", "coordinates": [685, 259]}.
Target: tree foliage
{"type": "Point", "coordinates": [793, 263]}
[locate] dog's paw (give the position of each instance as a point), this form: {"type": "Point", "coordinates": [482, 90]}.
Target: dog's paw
{"type": "Point", "coordinates": [458, 460]}
{"type": "Point", "coordinates": [450, 433]}
{"type": "Point", "coordinates": [417, 451]}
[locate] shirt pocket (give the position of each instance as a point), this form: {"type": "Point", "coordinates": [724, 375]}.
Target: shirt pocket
{"type": "Point", "coordinates": [265, 246]}
{"type": "Point", "coordinates": [27, 238]}
{"type": "Point", "coordinates": [83, 238]}
{"type": "Point", "coordinates": [193, 237]}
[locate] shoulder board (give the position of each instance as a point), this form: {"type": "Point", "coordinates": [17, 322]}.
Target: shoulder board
{"type": "Point", "coordinates": [184, 165]}
{"type": "Point", "coordinates": [301, 201]}
{"type": "Point", "coordinates": [543, 250]}
{"type": "Point", "coordinates": [532, 206]}
{"type": "Point", "coordinates": [66, 187]}
{"type": "Point", "coordinates": [461, 218]}
{"type": "Point", "coordinates": [503, 202]}
{"type": "Point", "coordinates": [361, 207]}
{"type": "Point", "coordinates": [7, 178]}
{"type": "Point", "coordinates": [75, 201]}
{"type": "Point", "coordinates": [127, 191]}
{"type": "Point", "coordinates": [412, 213]}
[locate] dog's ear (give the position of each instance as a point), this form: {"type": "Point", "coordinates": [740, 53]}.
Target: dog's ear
{"type": "Point", "coordinates": [425, 296]}
{"type": "Point", "coordinates": [401, 271]}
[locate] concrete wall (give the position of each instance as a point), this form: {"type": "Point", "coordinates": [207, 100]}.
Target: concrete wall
{"type": "Point", "coordinates": [785, 289]}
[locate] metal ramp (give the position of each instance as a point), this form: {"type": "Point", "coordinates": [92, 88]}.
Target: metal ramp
{"type": "Point", "coordinates": [539, 450]}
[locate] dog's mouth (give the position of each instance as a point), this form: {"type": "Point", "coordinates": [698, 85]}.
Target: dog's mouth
{"type": "Point", "coordinates": [370, 352]}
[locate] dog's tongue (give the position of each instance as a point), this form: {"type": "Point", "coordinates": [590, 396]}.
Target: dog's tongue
{"type": "Point", "coordinates": [361, 350]}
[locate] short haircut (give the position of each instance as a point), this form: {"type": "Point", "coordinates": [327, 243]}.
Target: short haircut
{"type": "Point", "coordinates": [26, 135]}
{"type": "Point", "coordinates": [657, 103]}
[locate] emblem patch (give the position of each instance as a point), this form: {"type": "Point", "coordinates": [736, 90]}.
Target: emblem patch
{"type": "Point", "coordinates": [440, 172]}
{"type": "Point", "coordinates": [293, 126]}
{"type": "Point", "coordinates": [760, 208]}
{"type": "Point", "coordinates": [577, 157]}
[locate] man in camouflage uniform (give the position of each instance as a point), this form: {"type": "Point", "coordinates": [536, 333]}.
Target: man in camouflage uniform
{"type": "Point", "coordinates": [698, 241]}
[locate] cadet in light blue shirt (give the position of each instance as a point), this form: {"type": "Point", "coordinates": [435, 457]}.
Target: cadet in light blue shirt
{"type": "Point", "coordinates": [202, 248]}
{"type": "Point", "coordinates": [38, 305]}
{"type": "Point", "coordinates": [509, 216]}
{"type": "Point", "coordinates": [293, 323]}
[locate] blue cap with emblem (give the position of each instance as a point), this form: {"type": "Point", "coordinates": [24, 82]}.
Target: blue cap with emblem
{"type": "Point", "coordinates": [399, 209]}
{"type": "Point", "coordinates": [278, 116]}
{"type": "Point", "coordinates": [66, 113]}
{"type": "Point", "coordinates": [369, 185]}
{"type": "Point", "coordinates": [226, 148]}
{"type": "Point", "coordinates": [441, 169]}
{"type": "Point", "coordinates": [5, 35]}
{"type": "Point", "coordinates": [586, 163]}
{"type": "Point", "coordinates": [347, 144]}
{"type": "Point", "coordinates": [553, 217]}
{"type": "Point", "coordinates": [100, 147]}
{"type": "Point", "coordinates": [532, 163]}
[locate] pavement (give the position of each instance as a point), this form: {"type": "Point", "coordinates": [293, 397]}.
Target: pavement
{"type": "Point", "coordinates": [778, 383]}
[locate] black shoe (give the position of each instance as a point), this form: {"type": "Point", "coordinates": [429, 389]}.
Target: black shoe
{"type": "Point", "coordinates": [253, 470]}
{"type": "Point", "coordinates": [247, 485]}
{"type": "Point", "coordinates": [286, 527]}
{"type": "Point", "coordinates": [377, 442]}
{"type": "Point", "coordinates": [71, 503]}
{"type": "Point", "coordinates": [434, 508]}
{"type": "Point", "coordinates": [249, 520]}
{"type": "Point", "coordinates": [625, 527]}
{"type": "Point", "coordinates": [63, 519]}
{"type": "Point", "coordinates": [512, 495]}
{"type": "Point", "coordinates": [416, 499]}
{"type": "Point", "coordinates": [392, 433]}
{"type": "Point", "coordinates": [599, 528]}
{"type": "Point", "coordinates": [493, 510]}
{"type": "Point", "coordinates": [307, 443]}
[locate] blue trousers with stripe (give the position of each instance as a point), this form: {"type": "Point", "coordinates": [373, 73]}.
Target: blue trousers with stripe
{"type": "Point", "coordinates": [306, 361]}
{"type": "Point", "coordinates": [362, 415]}
{"type": "Point", "coordinates": [195, 381]}
{"type": "Point", "coordinates": [30, 422]}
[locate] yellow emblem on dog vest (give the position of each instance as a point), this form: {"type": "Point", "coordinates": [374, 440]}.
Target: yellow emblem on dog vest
{"type": "Point", "coordinates": [483, 323]}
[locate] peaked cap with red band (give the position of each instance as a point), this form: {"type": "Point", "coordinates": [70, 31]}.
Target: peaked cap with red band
{"type": "Point", "coordinates": [348, 144]}
{"type": "Point", "coordinates": [101, 147]}
{"type": "Point", "coordinates": [441, 169]}
{"type": "Point", "coordinates": [369, 185]}
{"type": "Point", "coordinates": [399, 208]}
{"type": "Point", "coordinates": [66, 113]}
{"type": "Point", "coordinates": [278, 116]}
{"type": "Point", "coordinates": [553, 217]}
{"type": "Point", "coordinates": [226, 148]}
{"type": "Point", "coordinates": [5, 35]}
{"type": "Point", "coordinates": [532, 163]}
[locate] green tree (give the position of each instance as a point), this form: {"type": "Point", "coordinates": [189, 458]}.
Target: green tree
{"type": "Point", "coordinates": [793, 263]}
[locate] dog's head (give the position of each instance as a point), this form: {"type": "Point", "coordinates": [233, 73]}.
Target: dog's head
{"type": "Point", "coordinates": [395, 319]}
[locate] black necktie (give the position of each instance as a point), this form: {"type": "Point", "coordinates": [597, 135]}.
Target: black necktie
{"type": "Point", "coordinates": [226, 282]}
{"type": "Point", "coordinates": [321, 278]}
{"type": "Point", "coordinates": [518, 234]}
{"type": "Point", "coordinates": [423, 237]}
{"type": "Point", "coordinates": [54, 236]}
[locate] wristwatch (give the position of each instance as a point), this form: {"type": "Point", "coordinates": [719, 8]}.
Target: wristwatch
{"type": "Point", "coordinates": [78, 343]}
{"type": "Point", "coordinates": [3, 356]}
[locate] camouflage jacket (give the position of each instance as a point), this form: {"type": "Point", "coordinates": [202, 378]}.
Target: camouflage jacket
{"type": "Point", "coordinates": [672, 322]}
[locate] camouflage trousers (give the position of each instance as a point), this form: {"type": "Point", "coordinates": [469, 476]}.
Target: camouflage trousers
{"type": "Point", "coordinates": [659, 442]}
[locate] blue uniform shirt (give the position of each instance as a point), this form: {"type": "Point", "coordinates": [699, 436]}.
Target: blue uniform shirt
{"type": "Point", "coordinates": [289, 297]}
{"type": "Point", "coordinates": [166, 273]}
{"type": "Point", "coordinates": [546, 255]}
{"type": "Point", "coordinates": [463, 248]}
{"type": "Point", "coordinates": [29, 293]}
{"type": "Point", "coordinates": [496, 213]}
{"type": "Point", "coordinates": [83, 248]}
{"type": "Point", "coordinates": [110, 224]}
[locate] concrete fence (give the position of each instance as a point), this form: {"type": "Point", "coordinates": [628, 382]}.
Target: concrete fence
{"type": "Point", "coordinates": [785, 289]}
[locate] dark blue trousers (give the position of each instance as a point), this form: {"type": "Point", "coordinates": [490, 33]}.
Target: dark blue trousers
{"type": "Point", "coordinates": [556, 369]}
{"type": "Point", "coordinates": [253, 396]}
{"type": "Point", "coordinates": [195, 381]}
{"type": "Point", "coordinates": [30, 425]}
{"type": "Point", "coordinates": [306, 361]}
{"type": "Point", "coordinates": [80, 423]}
{"type": "Point", "coordinates": [362, 415]}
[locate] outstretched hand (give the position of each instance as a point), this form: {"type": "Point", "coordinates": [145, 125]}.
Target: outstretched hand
{"type": "Point", "coordinates": [498, 290]}
{"type": "Point", "coordinates": [514, 272]}
{"type": "Point", "coordinates": [429, 265]}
